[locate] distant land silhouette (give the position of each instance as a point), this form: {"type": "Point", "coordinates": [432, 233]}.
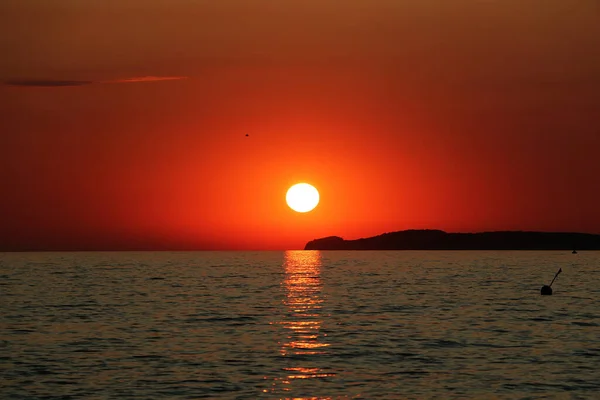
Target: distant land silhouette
{"type": "Point", "coordinates": [431, 239]}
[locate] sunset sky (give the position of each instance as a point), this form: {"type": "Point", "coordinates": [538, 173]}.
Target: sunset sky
{"type": "Point", "coordinates": [123, 122]}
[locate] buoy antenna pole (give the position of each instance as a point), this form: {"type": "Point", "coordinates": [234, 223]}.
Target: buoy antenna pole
{"type": "Point", "coordinates": [559, 271]}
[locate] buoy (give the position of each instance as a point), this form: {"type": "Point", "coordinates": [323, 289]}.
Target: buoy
{"type": "Point", "coordinates": [546, 290]}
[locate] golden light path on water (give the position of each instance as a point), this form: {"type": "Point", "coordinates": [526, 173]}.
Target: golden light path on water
{"type": "Point", "coordinates": [304, 342]}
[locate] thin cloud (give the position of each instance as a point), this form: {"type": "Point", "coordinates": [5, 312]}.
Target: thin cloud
{"type": "Point", "coordinates": [146, 79]}
{"type": "Point", "coordinates": [45, 83]}
{"type": "Point", "coordinates": [70, 83]}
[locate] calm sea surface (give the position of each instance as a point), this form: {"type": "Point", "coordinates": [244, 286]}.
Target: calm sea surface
{"type": "Point", "coordinates": [299, 325]}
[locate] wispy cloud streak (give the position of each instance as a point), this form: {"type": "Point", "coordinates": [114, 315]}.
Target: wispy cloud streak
{"type": "Point", "coordinates": [146, 79]}
{"type": "Point", "coordinates": [45, 83]}
{"type": "Point", "coordinates": [49, 83]}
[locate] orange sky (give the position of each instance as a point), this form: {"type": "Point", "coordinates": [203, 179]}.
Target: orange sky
{"type": "Point", "coordinates": [461, 115]}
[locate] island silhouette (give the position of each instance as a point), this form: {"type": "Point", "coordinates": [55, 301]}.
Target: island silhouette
{"type": "Point", "coordinates": [433, 239]}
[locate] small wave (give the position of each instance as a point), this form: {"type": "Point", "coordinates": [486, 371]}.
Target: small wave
{"type": "Point", "coordinates": [73, 305]}
{"type": "Point", "coordinates": [579, 323]}
{"type": "Point", "coordinates": [149, 357]}
{"type": "Point", "coordinates": [407, 372]}
{"type": "Point", "coordinates": [586, 353]}
{"type": "Point", "coordinates": [443, 343]}
{"type": "Point", "coordinates": [20, 331]}
{"type": "Point", "coordinates": [227, 320]}
{"type": "Point", "coordinates": [61, 382]}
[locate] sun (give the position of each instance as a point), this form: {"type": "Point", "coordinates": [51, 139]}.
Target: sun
{"type": "Point", "coordinates": [302, 197]}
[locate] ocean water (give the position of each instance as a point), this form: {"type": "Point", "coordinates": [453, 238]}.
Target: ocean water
{"type": "Point", "coordinates": [299, 325]}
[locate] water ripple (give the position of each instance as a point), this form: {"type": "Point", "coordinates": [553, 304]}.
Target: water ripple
{"type": "Point", "coordinates": [298, 325]}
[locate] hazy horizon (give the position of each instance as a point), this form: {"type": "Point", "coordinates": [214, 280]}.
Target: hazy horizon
{"type": "Point", "coordinates": [160, 247]}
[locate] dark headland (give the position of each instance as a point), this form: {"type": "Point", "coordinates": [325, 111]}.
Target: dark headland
{"type": "Point", "coordinates": [440, 240]}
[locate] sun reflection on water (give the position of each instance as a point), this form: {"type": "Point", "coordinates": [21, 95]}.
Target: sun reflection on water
{"type": "Point", "coordinates": [304, 342]}
{"type": "Point", "coordinates": [303, 300]}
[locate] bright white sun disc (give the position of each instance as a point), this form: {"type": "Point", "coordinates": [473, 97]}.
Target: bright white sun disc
{"type": "Point", "coordinates": [302, 197]}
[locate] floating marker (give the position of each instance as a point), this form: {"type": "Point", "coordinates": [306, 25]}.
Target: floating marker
{"type": "Point", "coordinates": [547, 289]}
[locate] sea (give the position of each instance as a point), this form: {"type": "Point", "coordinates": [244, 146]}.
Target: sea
{"type": "Point", "coordinates": [300, 325]}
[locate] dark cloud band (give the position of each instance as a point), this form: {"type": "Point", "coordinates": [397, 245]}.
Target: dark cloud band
{"type": "Point", "coordinates": [45, 83]}
{"type": "Point", "coordinates": [67, 83]}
